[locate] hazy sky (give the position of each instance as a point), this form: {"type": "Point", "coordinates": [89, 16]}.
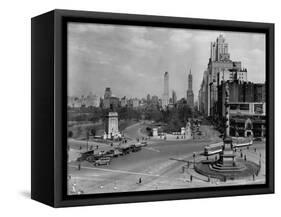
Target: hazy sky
{"type": "Point", "coordinates": [132, 60]}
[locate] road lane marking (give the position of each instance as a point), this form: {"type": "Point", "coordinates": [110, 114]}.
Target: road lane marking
{"type": "Point", "coordinates": [86, 178]}
{"type": "Point", "coordinates": [151, 149]}
{"type": "Point", "coordinates": [115, 171]}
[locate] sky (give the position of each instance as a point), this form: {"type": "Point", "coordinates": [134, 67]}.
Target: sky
{"type": "Point", "coordinates": [132, 60]}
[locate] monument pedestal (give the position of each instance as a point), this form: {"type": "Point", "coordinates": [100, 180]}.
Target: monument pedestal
{"type": "Point", "coordinates": [227, 161]}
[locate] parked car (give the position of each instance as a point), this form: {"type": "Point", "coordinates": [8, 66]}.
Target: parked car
{"type": "Point", "coordinates": [109, 153]}
{"type": "Point", "coordinates": [92, 158]}
{"type": "Point", "coordinates": [125, 150]}
{"type": "Point", "coordinates": [85, 155]}
{"type": "Point", "coordinates": [141, 144]}
{"type": "Point", "coordinates": [102, 161]}
{"type": "Point", "coordinates": [135, 148]}
{"type": "Point", "coordinates": [117, 153]}
{"type": "Point", "coordinates": [257, 139]}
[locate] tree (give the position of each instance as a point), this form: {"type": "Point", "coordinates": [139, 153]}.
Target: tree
{"type": "Point", "coordinates": [93, 131]}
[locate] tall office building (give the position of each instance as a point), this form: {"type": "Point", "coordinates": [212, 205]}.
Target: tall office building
{"type": "Point", "coordinates": [174, 97]}
{"type": "Point", "coordinates": [220, 69]}
{"type": "Point", "coordinates": [189, 92]}
{"type": "Point", "coordinates": [165, 99]}
{"type": "Point", "coordinates": [219, 50]}
{"type": "Point", "coordinates": [148, 99]}
{"type": "Point", "coordinates": [107, 93]}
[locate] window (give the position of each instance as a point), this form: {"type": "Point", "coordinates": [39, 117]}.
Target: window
{"type": "Point", "coordinates": [244, 107]}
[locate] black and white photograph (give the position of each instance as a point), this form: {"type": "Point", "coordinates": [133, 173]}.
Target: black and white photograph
{"type": "Point", "coordinates": [157, 108]}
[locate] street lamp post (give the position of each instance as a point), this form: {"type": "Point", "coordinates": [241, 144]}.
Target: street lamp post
{"type": "Point", "coordinates": [88, 140]}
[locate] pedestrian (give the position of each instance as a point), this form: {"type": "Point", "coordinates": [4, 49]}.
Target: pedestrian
{"type": "Point", "coordinates": [245, 157]}
{"type": "Point", "coordinates": [79, 166]}
{"type": "Point", "coordinates": [253, 177]}
{"type": "Point", "coordinates": [191, 177]}
{"type": "Point", "coordinates": [140, 180]}
{"type": "Point", "coordinates": [241, 154]}
{"type": "Point", "coordinates": [73, 188]}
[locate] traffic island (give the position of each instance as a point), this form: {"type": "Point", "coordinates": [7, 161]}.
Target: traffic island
{"type": "Point", "coordinates": [242, 169]}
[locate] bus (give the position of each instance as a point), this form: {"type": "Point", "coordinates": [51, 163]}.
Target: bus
{"type": "Point", "coordinates": [213, 148]}
{"type": "Point", "coordinates": [218, 147]}
{"type": "Point", "coordinates": [242, 142]}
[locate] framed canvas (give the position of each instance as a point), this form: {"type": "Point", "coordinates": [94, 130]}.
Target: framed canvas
{"type": "Point", "coordinates": [133, 108]}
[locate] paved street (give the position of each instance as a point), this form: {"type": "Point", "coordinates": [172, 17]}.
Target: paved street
{"type": "Point", "coordinates": [158, 165]}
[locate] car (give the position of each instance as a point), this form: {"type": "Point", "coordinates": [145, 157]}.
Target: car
{"type": "Point", "coordinates": [102, 161]}
{"type": "Point", "coordinates": [135, 148]}
{"type": "Point", "coordinates": [85, 155]}
{"type": "Point", "coordinates": [109, 153]}
{"type": "Point", "coordinates": [117, 153]}
{"type": "Point", "coordinates": [92, 158]}
{"type": "Point", "coordinates": [258, 139]}
{"type": "Point", "coordinates": [142, 144]}
{"type": "Point", "coordinates": [126, 150]}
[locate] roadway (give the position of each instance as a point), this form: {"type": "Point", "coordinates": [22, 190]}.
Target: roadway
{"type": "Point", "coordinates": [152, 164]}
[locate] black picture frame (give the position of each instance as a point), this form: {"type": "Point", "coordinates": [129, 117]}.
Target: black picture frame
{"type": "Point", "coordinates": [49, 100]}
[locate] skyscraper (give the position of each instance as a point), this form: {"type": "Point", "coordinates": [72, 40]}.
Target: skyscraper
{"type": "Point", "coordinates": [219, 50]}
{"type": "Point", "coordinates": [220, 69]}
{"type": "Point", "coordinates": [148, 99]}
{"type": "Point", "coordinates": [189, 92]}
{"type": "Point", "coordinates": [107, 93]}
{"type": "Point", "coordinates": [165, 99]}
{"type": "Point", "coordinates": [174, 97]}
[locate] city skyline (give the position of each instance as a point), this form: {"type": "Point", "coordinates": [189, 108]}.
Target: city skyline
{"type": "Point", "coordinates": [127, 58]}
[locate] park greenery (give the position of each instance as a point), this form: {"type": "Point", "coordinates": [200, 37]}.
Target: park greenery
{"type": "Point", "coordinates": [170, 119]}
